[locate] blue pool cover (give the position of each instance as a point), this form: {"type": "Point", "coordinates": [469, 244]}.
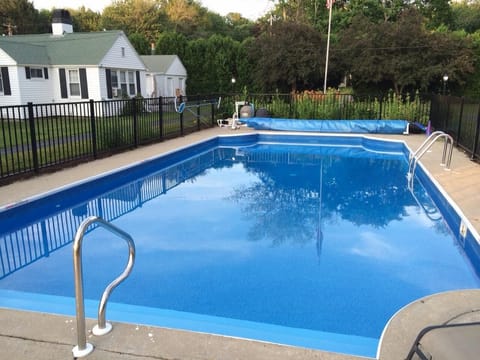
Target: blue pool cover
{"type": "Point", "coordinates": [330, 126]}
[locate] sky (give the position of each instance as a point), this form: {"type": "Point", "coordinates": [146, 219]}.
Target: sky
{"type": "Point", "coordinates": [251, 9]}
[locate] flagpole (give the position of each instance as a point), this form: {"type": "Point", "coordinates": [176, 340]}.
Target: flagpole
{"type": "Point", "coordinates": [328, 45]}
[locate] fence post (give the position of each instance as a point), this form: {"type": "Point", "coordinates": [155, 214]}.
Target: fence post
{"type": "Point", "coordinates": [160, 115]}
{"type": "Point", "coordinates": [460, 121]}
{"type": "Point", "coordinates": [477, 133]}
{"type": "Point", "coordinates": [381, 107]}
{"type": "Point", "coordinates": [94, 129]}
{"type": "Point", "coordinates": [198, 116]}
{"type": "Point", "coordinates": [33, 137]}
{"type": "Point", "coordinates": [181, 117]}
{"type": "Point", "coordinates": [290, 105]}
{"type": "Point", "coordinates": [135, 121]}
{"type": "Point", "coordinates": [181, 124]}
{"type": "Point", "coordinates": [213, 115]}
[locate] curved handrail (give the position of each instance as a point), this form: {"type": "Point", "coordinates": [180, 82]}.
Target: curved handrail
{"type": "Point", "coordinates": [424, 147]}
{"type": "Point", "coordinates": [83, 348]}
{"type": "Point", "coordinates": [427, 141]}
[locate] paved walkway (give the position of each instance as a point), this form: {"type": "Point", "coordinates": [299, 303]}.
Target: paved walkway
{"type": "Point", "coordinates": [25, 335]}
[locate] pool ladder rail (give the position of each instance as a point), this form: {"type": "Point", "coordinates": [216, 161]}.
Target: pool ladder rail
{"type": "Point", "coordinates": [424, 147]}
{"type": "Point", "coordinates": [83, 348]}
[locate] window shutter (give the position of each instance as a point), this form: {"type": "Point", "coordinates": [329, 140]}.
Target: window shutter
{"type": "Point", "coordinates": [139, 88]}
{"type": "Point", "coordinates": [108, 76]}
{"type": "Point", "coordinates": [63, 84]}
{"type": "Point", "coordinates": [45, 73]}
{"type": "Point", "coordinates": [6, 81]}
{"type": "Point", "coordinates": [83, 83]}
{"type": "Point", "coordinates": [27, 72]}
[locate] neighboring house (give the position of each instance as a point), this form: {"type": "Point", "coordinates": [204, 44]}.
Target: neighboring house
{"type": "Point", "coordinates": [166, 76]}
{"type": "Point", "coordinates": [68, 67]}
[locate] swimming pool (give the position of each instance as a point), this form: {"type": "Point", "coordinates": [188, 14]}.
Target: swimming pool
{"type": "Point", "coordinates": [224, 227]}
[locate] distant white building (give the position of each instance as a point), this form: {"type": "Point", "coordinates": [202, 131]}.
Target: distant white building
{"type": "Point", "coordinates": [67, 67]}
{"type": "Point", "coordinates": [166, 76]}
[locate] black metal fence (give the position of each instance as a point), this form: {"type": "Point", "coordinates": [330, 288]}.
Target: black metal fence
{"type": "Point", "coordinates": [36, 137]}
{"type": "Point", "coordinates": [315, 105]}
{"type": "Point", "coordinates": [459, 117]}
{"type": "Point", "coordinates": [39, 137]}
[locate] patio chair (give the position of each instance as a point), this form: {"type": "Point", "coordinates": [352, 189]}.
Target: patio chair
{"type": "Point", "coordinates": [447, 342]}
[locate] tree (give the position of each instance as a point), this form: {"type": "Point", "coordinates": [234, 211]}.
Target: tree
{"type": "Point", "coordinates": [85, 20]}
{"type": "Point", "coordinates": [140, 43]}
{"type": "Point", "coordinates": [472, 87]}
{"type": "Point", "coordinates": [18, 17]}
{"type": "Point", "coordinates": [171, 43]}
{"type": "Point", "coordinates": [213, 75]}
{"type": "Point", "coordinates": [184, 15]}
{"type": "Point", "coordinates": [135, 16]}
{"type": "Point", "coordinates": [401, 55]}
{"type": "Point", "coordinates": [287, 56]}
{"type": "Point", "coordinates": [437, 12]}
{"type": "Point", "coordinates": [466, 17]}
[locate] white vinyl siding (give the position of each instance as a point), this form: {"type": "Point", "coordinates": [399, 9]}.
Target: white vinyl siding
{"type": "Point", "coordinates": [114, 59]}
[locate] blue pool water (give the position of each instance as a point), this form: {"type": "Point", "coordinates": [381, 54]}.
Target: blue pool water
{"type": "Point", "coordinates": [303, 240]}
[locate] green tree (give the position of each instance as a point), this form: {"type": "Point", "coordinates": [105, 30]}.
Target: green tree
{"type": "Point", "coordinates": [401, 55]}
{"type": "Point", "coordinates": [145, 17]}
{"type": "Point", "coordinates": [85, 20]}
{"type": "Point", "coordinates": [184, 15]}
{"type": "Point", "coordinates": [214, 75]}
{"type": "Point", "coordinates": [472, 86]}
{"type": "Point", "coordinates": [171, 43]}
{"type": "Point", "coordinates": [466, 16]}
{"type": "Point", "coordinates": [287, 56]}
{"type": "Point", "coordinates": [238, 27]}
{"type": "Point", "coordinates": [437, 12]}
{"type": "Point", "coordinates": [140, 43]}
{"type": "Point", "coordinates": [18, 17]}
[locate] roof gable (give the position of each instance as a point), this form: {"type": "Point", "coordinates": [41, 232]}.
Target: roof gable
{"type": "Point", "coordinates": [67, 49]}
{"type": "Point", "coordinates": [162, 63]}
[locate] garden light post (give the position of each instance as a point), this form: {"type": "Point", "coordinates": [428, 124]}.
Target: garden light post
{"type": "Point", "coordinates": [233, 84]}
{"type": "Point", "coordinates": [445, 79]}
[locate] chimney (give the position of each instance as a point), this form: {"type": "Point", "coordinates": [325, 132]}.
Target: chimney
{"type": "Point", "coordinates": [61, 22]}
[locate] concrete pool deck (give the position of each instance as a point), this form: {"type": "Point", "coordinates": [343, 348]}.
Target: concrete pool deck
{"type": "Point", "coordinates": [25, 335]}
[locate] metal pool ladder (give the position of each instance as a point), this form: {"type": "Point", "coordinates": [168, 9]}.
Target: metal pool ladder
{"type": "Point", "coordinates": [426, 145]}
{"type": "Point", "coordinates": [83, 348]}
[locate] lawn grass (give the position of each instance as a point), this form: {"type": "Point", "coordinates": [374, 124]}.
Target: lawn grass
{"type": "Point", "coordinates": [60, 139]}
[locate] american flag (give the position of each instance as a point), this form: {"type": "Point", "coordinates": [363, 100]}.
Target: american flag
{"type": "Point", "coordinates": [330, 3]}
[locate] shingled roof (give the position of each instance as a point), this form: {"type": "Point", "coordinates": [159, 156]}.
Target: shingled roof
{"type": "Point", "coordinates": [67, 49]}
{"type": "Point", "coordinates": [158, 63]}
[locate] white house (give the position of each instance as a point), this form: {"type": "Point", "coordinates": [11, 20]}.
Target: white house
{"type": "Point", "coordinates": [166, 76]}
{"type": "Point", "coordinates": [68, 67]}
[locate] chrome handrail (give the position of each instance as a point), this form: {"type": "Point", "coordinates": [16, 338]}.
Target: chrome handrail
{"type": "Point", "coordinates": [424, 147]}
{"type": "Point", "coordinates": [83, 348]}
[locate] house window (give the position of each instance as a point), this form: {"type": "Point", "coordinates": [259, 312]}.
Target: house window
{"type": "Point", "coordinates": [123, 82]}
{"type": "Point", "coordinates": [131, 83]}
{"type": "Point", "coordinates": [36, 73]}
{"type": "Point", "coordinates": [114, 79]}
{"type": "Point", "coordinates": [123, 52]}
{"type": "Point", "coordinates": [74, 82]}
{"type": "Point", "coordinates": [1, 83]}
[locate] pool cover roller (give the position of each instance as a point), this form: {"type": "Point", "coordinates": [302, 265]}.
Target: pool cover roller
{"type": "Point", "coordinates": [329, 126]}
